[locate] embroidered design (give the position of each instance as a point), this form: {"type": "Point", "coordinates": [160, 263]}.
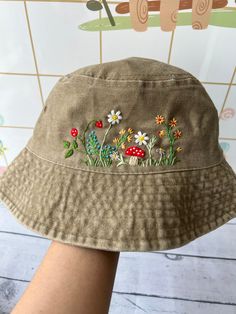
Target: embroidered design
{"type": "Point", "coordinates": [122, 151]}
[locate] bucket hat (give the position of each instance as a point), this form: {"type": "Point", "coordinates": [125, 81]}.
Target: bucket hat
{"type": "Point", "coordinates": [124, 156]}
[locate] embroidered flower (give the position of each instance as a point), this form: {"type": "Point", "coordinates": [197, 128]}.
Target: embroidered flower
{"type": "Point", "coordinates": [114, 117]}
{"type": "Point", "coordinates": [98, 151]}
{"type": "Point", "coordinates": [159, 119]}
{"type": "Point", "coordinates": [122, 132]}
{"type": "Point", "coordinates": [162, 133]}
{"type": "Point", "coordinates": [116, 139]}
{"type": "Point", "coordinates": [114, 156]}
{"type": "Point", "coordinates": [177, 134]}
{"type": "Point", "coordinates": [173, 123]}
{"type": "Point", "coordinates": [161, 151]}
{"type": "Point", "coordinates": [74, 132]}
{"type": "Point", "coordinates": [141, 138]}
{"type": "Point", "coordinates": [129, 138]}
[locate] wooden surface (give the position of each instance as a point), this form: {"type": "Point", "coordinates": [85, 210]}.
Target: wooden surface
{"type": "Point", "coordinates": [199, 277]}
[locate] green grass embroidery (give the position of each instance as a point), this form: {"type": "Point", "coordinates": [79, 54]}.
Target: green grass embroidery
{"type": "Point", "coordinates": [105, 154]}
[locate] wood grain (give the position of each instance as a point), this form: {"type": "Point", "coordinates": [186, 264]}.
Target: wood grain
{"type": "Point", "coordinates": [201, 10]}
{"type": "Point", "coordinates": [123, 8]}
{"type": "Point", "coordinates": [139, 14]}
{"type": "Point", "coordinates": [168, 14]}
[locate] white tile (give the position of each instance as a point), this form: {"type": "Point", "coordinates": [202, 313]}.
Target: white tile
{"type": "Point", "coordinates": [208, 54]}
{"type": "Point", "coordinates": [20, 100]}
{"type": "Point", "coordinates": [217, 93]}
{"type": "Point", "coordinates": [231, 3]}
{"type": "Point", "coordinates": [15, 48]}
{"type": "Point", "coordinates": [47, 84]}
{"type": "Point", "coordinates": [14, 139]}
{"type": "Point", "coordinates": [228, 116]}
{"type": "Point", "coordinates": [3, 149]}
{"type": "Point", "coordinates": [229, 148]}
{"type": "Point", "coordinates": [118, 44]}
{"type": "Point", "coordinates": [61, 47]}
{"type": "Point", "coordinates": [234, 80]}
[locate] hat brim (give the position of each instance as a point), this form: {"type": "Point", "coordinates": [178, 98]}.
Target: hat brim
{"type": "Point", "coordinates": [118, 212]}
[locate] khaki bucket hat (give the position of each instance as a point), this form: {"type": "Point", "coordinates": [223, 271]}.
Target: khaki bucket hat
{"type": "Point", "coordinates": [124, 157]}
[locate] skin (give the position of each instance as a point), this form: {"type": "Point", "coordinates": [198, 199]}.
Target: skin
{"type": "Point", "coordinates": [70, 280]}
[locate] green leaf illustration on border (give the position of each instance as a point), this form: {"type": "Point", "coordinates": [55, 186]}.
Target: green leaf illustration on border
{"type": "Point", "coordinates": [220, 17]}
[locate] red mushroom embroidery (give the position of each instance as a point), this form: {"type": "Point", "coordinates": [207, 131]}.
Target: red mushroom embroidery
{"type": "Point", "coordinates": [134, 152]}
{"type": "Point", "coordinates": [98, 152]}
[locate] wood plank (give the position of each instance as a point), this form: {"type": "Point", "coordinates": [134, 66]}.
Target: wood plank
{"type": "Point", "coordinates": [121, 303]}
{"type": "Point", "coordinates": [139, 14]}
{"type": "Point", "coordinates": [219, 243]}
{"type": "Point", "coordinates": [186, 278]}
{"type": "Point", "coordinates": [151, 274]}
{"type": "Point", "coordinates": [21, 255]}
{"type": "Point", "coordinates": [10, 293]}
{"type": "Point", "coordinates": [168, 14]}
{"type": "Point", "coordinates": [201, 10]}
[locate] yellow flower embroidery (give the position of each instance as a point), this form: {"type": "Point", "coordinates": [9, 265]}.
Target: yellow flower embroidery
{"type": "Point", "coordinates": [99, 152]}
{"type": "Point", "coordinates": [129, 138]}
{"type": "Point", "coordinates": [122, 132]}
{"type": "Point", "coordinates": [162, 133]}
{"type": "Point", "coordinates": [116, 139]}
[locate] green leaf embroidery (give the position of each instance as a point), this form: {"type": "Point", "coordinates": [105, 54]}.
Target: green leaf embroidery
{"type": "Point", "coordinates": [92, 144]}
{"type": "Point", "coordinates": [69, 153]}
{"type": "Point", "coordinates": [66, 144]}
{"type": "Point", "coordinates": [74, 144]}
{"type": "Point", "coordinates": [101, 154]}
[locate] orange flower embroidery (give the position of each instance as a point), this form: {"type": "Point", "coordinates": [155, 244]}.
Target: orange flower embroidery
{"type": "Point", "coordinates": [177, 134]}
{"type": "Point", "coordinates": [173, 122]}
{"type": "Point", "coordinates": [159, 119]}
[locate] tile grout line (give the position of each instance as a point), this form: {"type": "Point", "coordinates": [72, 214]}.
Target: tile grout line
{"type": "Point", "coordinates": [171, 45]}
{"type": "Point", "coordinates": [100, 37]}
{"type": "Point", "coordinates": [227, 93]}
{"type": "Point", "coordinates": [34, 54]}
{"type": "Point", "coordinates": [31, 74]}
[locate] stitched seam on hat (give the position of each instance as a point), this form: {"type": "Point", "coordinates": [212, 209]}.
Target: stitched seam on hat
{"type": "Point", "coordinates": [138, 79]}
{"type": "Point", "coordinates": [127, 173]}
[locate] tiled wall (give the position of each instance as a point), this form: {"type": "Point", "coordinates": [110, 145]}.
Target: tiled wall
{"type": "Point", "coordinates": [41, 41]}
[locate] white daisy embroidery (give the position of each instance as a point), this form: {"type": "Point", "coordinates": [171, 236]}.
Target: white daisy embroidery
{"type": "Point", "coordinates": [141, 138]}
{"type": "Point", "coordinates": [114, 117]}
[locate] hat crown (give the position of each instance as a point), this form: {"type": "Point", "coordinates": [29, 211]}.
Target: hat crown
{"type": "Point", "coordinates": [134, 115]}
{"type": "Point", "coordinates": [132, 68]}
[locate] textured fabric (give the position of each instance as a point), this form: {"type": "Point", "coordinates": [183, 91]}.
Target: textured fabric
{"type": "Point", "coordinates": [127, 207]}
{"type": "Point", "coordinates": [77, 99]}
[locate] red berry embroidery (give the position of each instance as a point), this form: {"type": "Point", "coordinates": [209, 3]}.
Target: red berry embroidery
{"type": "Point", "coordinates": [74, 132]}
{"type": "Point", "coordinates": [99, 124]}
